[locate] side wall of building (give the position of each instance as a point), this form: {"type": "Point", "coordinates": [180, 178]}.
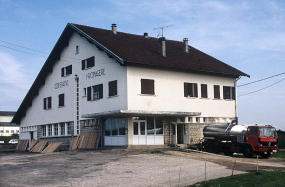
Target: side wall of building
{"type": "Point", "coordinates": [106, 69]}
{"type": "Point", "coordinates": [169, 92]}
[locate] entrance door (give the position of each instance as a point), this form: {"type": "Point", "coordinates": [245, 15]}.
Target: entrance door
{"type": "Point", "coordinates": [178, 137]}
{"type": "Point", "coordinates": [139, 137]}
{"type": "Point", "coordinates": [32, 135]}
{"type": "Point", "coordinates": [180, 134]}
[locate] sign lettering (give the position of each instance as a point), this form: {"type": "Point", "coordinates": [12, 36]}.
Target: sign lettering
{"type": "Point", "coordinates": [61, 84]}
{"type": "Point", "coordinates": [94, 74]}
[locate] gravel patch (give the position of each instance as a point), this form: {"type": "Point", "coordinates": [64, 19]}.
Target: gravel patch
{"type": "Point", "coordinates": [115, 167]}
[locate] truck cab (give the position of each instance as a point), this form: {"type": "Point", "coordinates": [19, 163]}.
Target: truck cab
{"type": "Point", "coordinates": [260, 140]}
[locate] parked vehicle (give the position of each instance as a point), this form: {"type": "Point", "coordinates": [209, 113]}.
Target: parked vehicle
{"type": "Point", "coordinates": [232, 138]}
{"type": "Point", "coordinates": [13, 141]}
{"type": "Point", "coordinates": [2, 142]}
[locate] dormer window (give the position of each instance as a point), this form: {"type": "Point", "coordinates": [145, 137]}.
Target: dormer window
{"type": "Point", "coordinates": [88, 63]}
{"type": "Point", "coordinates": [66, 71]}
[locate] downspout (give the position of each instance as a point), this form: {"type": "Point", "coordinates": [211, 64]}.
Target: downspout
{"type": "Point", "coordinates": [236, 112]}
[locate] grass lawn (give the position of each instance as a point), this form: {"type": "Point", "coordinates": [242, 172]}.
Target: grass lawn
{"type": "Point", "coordinates": [260, 179]}
{"type": "Point", "coordinates": [6, 139]}
{"type": "Point", "coordinates": [280, 154]}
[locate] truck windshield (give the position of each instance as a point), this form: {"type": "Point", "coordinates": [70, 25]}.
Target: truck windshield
{"type": "Point", "coordinates": [267, 132]}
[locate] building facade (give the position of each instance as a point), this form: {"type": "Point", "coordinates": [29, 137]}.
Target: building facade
{"type": "Point", "coordinates": [133, 90]}
{"type": "Point", "coordinates": [6, 127]}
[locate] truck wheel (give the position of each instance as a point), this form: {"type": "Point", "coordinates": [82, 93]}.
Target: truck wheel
{"type": "Point", "coordinates": [265, 155]}
{"type": "Point", "coordinates": [247, 151]}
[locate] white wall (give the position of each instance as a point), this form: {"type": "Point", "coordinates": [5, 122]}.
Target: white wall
{"type": "Point", "coordinates": [10, 128]}
{"type": "Point", "coordinates": [6, 118]}
{"type": "Point", "coordinates": [36, 115]}
{"type": "Point", "coordinates": [169, 92]}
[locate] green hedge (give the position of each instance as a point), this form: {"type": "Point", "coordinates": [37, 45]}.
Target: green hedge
{"type": "Point", "coordinates": [6, 139]}
{"type": "Point", "coordinates": [281, 141]}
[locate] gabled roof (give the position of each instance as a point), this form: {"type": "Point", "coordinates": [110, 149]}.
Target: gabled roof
{"type": "Point", "coordinates": [136, 49]}
{"type": "Point", "coordinates": [129, 49]}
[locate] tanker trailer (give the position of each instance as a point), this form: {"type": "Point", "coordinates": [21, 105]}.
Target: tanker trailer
{"type": "Point", "coordinates": [232, 138]}
{"type": "Point", "coordinates": [219, 138]}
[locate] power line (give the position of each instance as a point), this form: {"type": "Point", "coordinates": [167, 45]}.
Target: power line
{"type": "Point", "coordinates": [98, 62]}
{"type": "Point", "coordinates": [29, 49]}
{"type": "Point", "coordinates": [262, 88]}
{"type": "Point", "coordinates": [23, 47]}
{"type": "Point", "coordinates": [22, 51]}
{"type": "Point", "coordinates": [261, 79]}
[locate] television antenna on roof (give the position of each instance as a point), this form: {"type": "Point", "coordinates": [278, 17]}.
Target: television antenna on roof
{"type": "Point", "coordinates": [161, 30]}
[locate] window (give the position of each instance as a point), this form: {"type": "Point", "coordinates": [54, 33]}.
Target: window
{"type": "Point", "coordinates": [66, 71]}
{"type": "Point", "coordinates": [1, 131]}
{"type": "Point", "coordinates": [62, 129]}
{"type": "Point", "coordinates": [84, 92]}
{"type": "Point", "coordinates": [204, 92]}
{"type": "Point", "coordinates": [158, 126]}
{"type": "Point", "coordinates": [7, 131]}
{"type": "Point", "coordinates": [147, 86]}
{"type": "Point", "coordinates": [56, 129]}
{"type": "Point", "coordinates": [115, 126]}
{"type": "Point", "coordinates": [150, 126]}
{"type": "Point", "coordinates": [136, 128]}
{"type": "Point", "coordinates": [12, 131]}
{"type": "Point", "coordinates": [197, 119]}
{"type": "Point", "coordinates": [17, 131]}
{"type": "Point", "coordinates": [190, 89]}
{"type": "Point", "coordinates": [216, 91]}
{"type": "Point", "coordinates": [229, 92]}
{"type": "Point", "coordinates": [44, 130]}
{"type": "Point", "coordinates": [50, 130]}
{"type": "Point", "coordinates": [88, 63]}
{"type": "Point", "coordinates": [68, 128]}
{"type": "Point", "coordinates": [189, 119]}
{"type": "Point", "coordinates": [76, 49]}
{"type": "Point", "coordinates": [61, 100]}
{"type": "Point", "coordinates": [267, 132]}
{"type": "Point", "coordinates": [113, 88]}
{"type": "Point", "coordinates": [98, 91]}
{"type": "Point", "coordinates": [254, 131]}
{"type": "Point", "coordinates": [154, 126]}
{"type": "Point", "coordinates": [47, 103]}
{"type": "Point", "coordinates": [95, 91]}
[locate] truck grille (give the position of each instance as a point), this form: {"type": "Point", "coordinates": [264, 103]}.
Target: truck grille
{"type": "Point", "coordinates": [268, 143]}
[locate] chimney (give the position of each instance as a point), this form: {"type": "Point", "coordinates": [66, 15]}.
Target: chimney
{"type": "Point", "coordinates": [114, 28]}
{"type": "Point", "coordinates": [145, 35]}
{"type": "Point", "coordinates": [161, 46]}
{"type": "Point", "coordinates": [185, 40]}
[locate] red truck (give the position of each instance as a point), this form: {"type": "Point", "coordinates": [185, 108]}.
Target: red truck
{"type": "Point", "coordinates": [232, 138]}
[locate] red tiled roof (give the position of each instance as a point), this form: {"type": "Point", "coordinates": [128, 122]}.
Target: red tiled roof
{"type": "Point", "coordinates": [138, 49]}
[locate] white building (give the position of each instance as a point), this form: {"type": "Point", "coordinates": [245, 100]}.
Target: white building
{"type": "Point", "coordinates": [6, 127]}
{"type": "Point", "coordinates": [132, 89]}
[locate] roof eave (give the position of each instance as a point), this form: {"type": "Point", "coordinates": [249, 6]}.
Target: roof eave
{"type": "Point", "coordinates": [120, 60]}
{"type": "Point", "coordinates": [188, 69]}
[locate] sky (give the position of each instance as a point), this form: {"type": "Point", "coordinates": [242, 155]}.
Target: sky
{"type": "Point", "coordinates": [248, 35]}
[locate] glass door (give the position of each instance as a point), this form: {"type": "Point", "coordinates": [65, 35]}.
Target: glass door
{"type": "Point", "coordinates": [139, 136]}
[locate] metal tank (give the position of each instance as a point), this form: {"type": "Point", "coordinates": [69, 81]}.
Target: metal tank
{"type": "Point", "coordinates": [226, 132]}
